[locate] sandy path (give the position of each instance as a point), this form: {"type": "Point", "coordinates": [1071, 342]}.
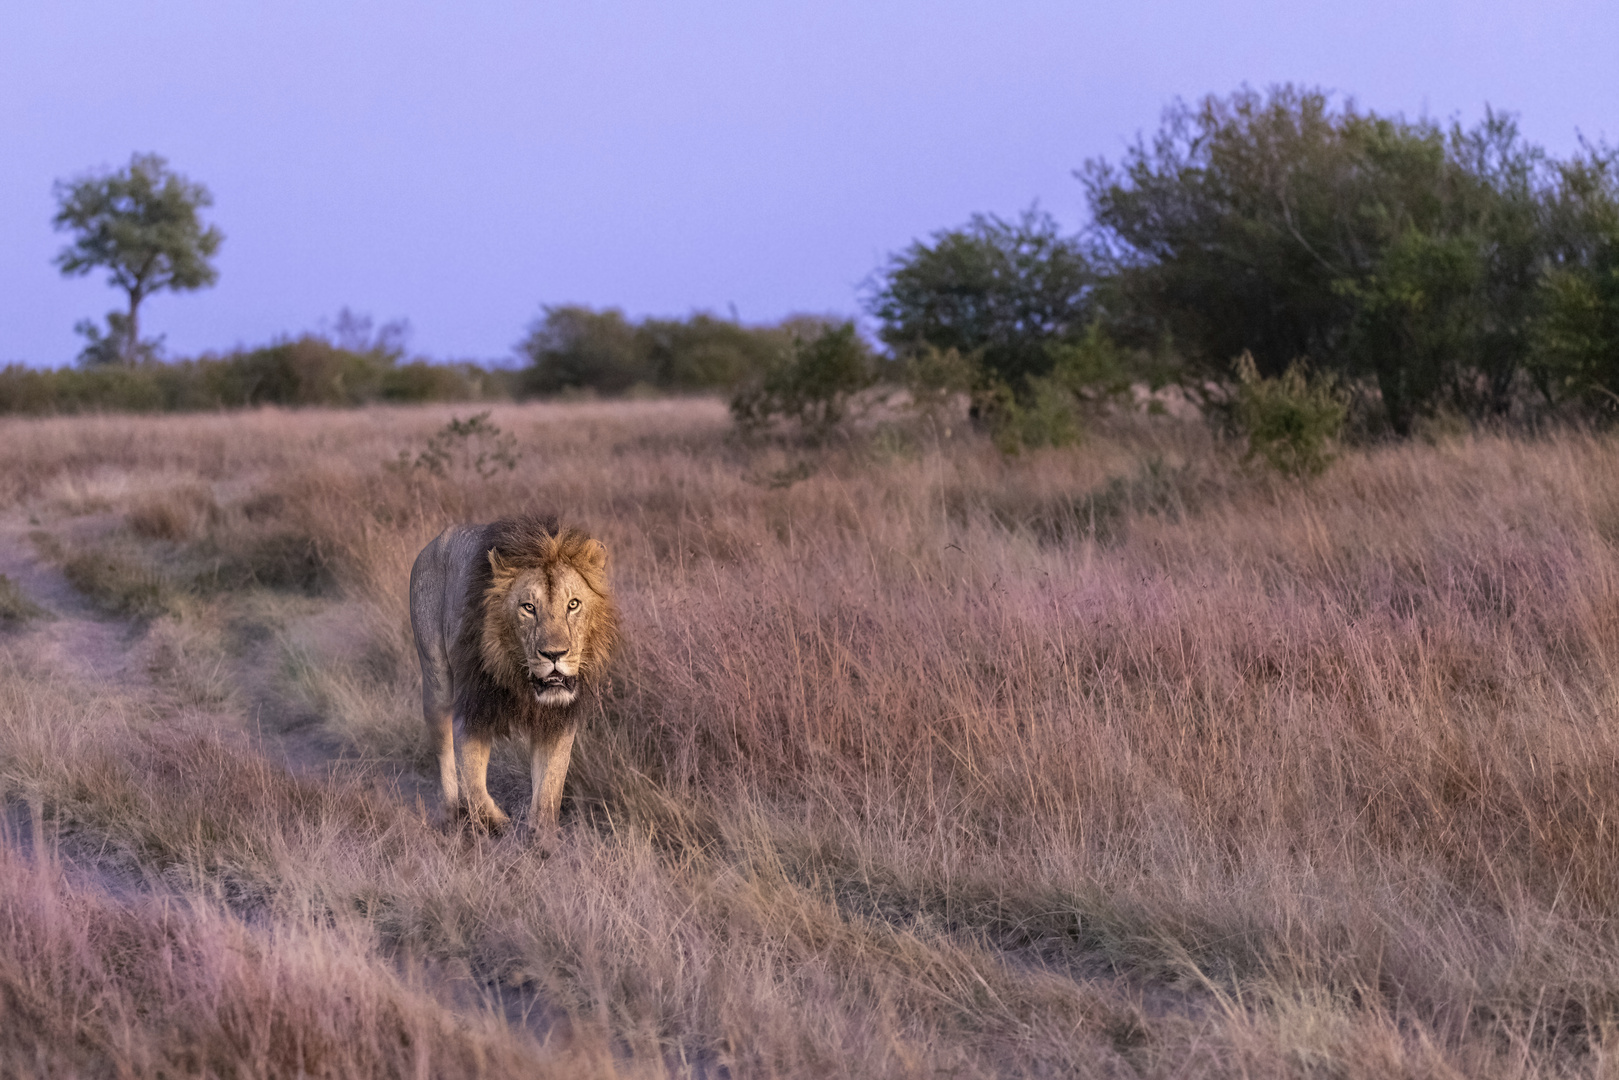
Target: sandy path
{"type": "Point", "coordinates": [79, 645]}
{"type": "Point", "coordinates": [76, 639]}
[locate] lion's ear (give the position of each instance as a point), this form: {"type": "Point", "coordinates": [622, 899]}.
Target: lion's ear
{"type": "Point", "coordinates": [596, 554]}
{"type": "Point", "coordinates": [497, 564]}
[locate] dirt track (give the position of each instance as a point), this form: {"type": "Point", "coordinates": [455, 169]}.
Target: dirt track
{"type": "Point", "coordinates": [74, 638]}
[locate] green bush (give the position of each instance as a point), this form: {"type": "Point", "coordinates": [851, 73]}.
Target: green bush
{"type": "Point", "coordinates": [305, 371]}
{"type": "Point", "coordinates": [1285, 225]}
{"type": "Point", "coordinates": [473, 445]}
{"type": "Point", "coordinates": [1292, 421]}
{"type": "Point", "coordinates": [574, 348]}
{"type": "Point", "coordinates": [570, 347]}
{"type": "Point", "coordinates": [1045, 414]}
{"type": "Point", "coordinates": [421, 381]}
{"type": "Point", "coordinates": [933, 378]}
{"type": "Point", "coordinates": [1086, 375]}
{"type": "Point", "coordinates": [706, 353]}
{"type": "Point", "coordinates": [812, 385]}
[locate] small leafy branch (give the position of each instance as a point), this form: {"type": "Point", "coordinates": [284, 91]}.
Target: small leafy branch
{"type": "Point", "coordinates": [471, 445]}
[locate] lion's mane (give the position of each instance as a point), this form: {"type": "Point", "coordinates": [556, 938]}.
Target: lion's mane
{"type": "Point", "coordinates": [492, 688]}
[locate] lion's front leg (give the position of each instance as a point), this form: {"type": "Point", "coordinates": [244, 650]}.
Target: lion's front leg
{"type": "Point", "coordinates": [475, 758]}
{"type": "Point", "coordinates": [550, 769]}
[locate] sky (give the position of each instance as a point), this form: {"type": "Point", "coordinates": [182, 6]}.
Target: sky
{"type": "Point", "coordinates": [460, 165]}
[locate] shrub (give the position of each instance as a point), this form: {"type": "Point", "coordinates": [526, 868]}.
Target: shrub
{"type": "Point", "coordinates": [350, 366]}
{"type": "Point", "coordinates": [473, 445]}
{"type": "Point", "coordinates": [813, 385]}
{"type": "Point", "coordinates": [706, 353]}
{"type": "Point", "coordinates": [1292, 421]}
{"type": "Point", "coordinates": [1577, 329]}
{"type": "Point", "coordinates": [574, 348]}
{"type": "Point", "coordinates": [934, 377]}
{"type": "Point", "coordinates": [1044, 416]}
{"type": "Point", "coordinates": [1086, 376]}
{"type": "Point", "coordinates": [304, 371]}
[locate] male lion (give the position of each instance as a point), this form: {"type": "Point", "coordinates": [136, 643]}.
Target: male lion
{"type": "Point", "coordinates": [510, 618]}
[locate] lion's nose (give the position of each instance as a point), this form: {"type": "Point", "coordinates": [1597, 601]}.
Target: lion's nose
{"type": "Point", "coordinates": [554, 655]}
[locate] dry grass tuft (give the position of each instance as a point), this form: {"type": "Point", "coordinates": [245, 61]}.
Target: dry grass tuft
{"type": "Point", "coordinates": [175, 515]}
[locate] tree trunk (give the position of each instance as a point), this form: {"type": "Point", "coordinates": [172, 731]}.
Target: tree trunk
{"type": "Point", "coordinates": [133, 335]}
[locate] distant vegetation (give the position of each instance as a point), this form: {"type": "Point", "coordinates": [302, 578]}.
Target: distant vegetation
{"type": "Point", "coordinates": [1434, 271]}
{"type": "Point", "coordinates": [308, 370]}
{"type": "Point", "coordinates": [574, 348]}
{"type": "Point", "coordinates": [1426, 273]}
{"type": "Point", "coordinates": [570, 349]}
{"type": "Point", "coordinates": [1442, 268]}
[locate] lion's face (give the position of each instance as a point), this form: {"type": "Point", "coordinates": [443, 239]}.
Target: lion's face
{"type": "Point", "coordinates": [552, 624]}
{"type": "Point", "coordinates": [550, 618]}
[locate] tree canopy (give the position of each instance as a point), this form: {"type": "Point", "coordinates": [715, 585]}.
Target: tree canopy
{"type": "Point", "coordinates": [1284, 226]}
{"type": "Point", "coordinates": [572, 347]}
{"type": "Point", "coordinates": [999, 290]}
{"type": "Point", "coordinates": [141, 224]}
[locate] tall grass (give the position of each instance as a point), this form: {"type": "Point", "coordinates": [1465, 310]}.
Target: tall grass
{"type": "Point", "coordinates": [1116, 760]}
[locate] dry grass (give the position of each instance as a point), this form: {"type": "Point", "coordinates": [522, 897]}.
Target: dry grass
{"type": "Point", "coordinates": [1113, 761]}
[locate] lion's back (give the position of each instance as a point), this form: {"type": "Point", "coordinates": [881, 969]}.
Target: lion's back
{"type": "Point", "coordinates": [438, 603]}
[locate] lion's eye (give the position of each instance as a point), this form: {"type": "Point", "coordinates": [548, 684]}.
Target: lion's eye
{"type": "Point", "coordinates": [573, 604]}
{"type": "Point", "coordinates": [529, 608]}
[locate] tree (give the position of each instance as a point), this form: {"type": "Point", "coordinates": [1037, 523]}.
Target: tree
{"type": "Point", "coordinates": [141, 224]}
{"type": "Point", "coordinates": [1000, 290]}
{"type": "Point", "coordinates": [1577, 328]}
{"type": "Point", "coordinates": [1288, 228]}
{"type": "Point", "coordinates": [571, 347]}
{"type": "Point", "coordinates": [702, 352]}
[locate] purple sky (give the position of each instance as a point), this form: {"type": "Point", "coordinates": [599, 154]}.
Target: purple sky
{"type": "Point", "coordinates": [461, 164]}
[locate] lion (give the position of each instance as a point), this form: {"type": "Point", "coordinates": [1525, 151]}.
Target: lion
{"type": "Point", "coordinates": [512, 619]}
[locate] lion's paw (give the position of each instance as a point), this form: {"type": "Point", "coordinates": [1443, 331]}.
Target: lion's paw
{"type": "Point", "coordinates": [543, 839]}
{"type": "Point", "coordinates": [490, 817]}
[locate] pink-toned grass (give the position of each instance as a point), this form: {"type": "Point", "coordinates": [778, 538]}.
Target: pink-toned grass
{"type": "Point", "coordinates": [1122, 760]}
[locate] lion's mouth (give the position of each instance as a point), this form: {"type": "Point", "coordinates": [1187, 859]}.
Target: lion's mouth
{"type": "Point", "coordinates": [554, 681]}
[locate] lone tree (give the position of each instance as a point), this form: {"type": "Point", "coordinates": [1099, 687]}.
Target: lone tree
{"type": "Point", "coordinates": [141, 224]}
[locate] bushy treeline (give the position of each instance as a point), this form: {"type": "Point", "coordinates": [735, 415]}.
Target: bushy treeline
{"type": "Point", "coordinates": [308, 370]}
{"type": "Point", "coordinates": [1426, 268]}
{"type": "Point", "coordinates": [570, 347]}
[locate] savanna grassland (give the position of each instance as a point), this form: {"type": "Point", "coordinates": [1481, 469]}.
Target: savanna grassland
{"type": "Point", "coordinates": [1118, 760]}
